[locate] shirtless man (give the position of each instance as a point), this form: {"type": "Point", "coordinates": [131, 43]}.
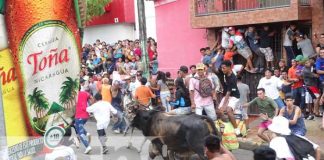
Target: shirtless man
{"type": "Point", "coordinates": [215, 151]}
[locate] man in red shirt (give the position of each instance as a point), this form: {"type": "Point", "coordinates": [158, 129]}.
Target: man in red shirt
{"type": "Point", "coordinates": [81, 117]}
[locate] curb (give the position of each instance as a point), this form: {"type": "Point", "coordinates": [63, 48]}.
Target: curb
{"type": "Point", "coordinates": [251, 145]}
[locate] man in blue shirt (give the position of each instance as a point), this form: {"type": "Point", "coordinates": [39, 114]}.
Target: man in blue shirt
{"type": "Point", "coordinates": [320, 66]}
{"type": "Point", "coordinates": [97, 64]}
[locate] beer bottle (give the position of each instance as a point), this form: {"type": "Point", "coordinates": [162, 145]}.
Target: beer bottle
{"type": "Point", "coordinates": [45, 45]}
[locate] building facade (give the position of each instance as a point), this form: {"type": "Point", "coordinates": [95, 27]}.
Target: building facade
{"type": "Point", "coordinates": [177, 42]}
{"type": "Point", "coordinates": [213, 15]}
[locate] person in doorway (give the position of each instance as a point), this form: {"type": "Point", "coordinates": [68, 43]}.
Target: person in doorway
{"type": "Point", "coordinates": [265, 46]}
{"type": "Point", "coordinates": [288, 43]}
{"type": "Point", "coordinates": [294, 115]}
{"type": "Point", "coordinates": [253, 40]}
{"type": "Point", "coordinates": [214, 150]}
{"type": "Point", "coordinates": [101, 111]}
{"type": "Point", "coordinates": [305, 45]}
{"type": "Point", "coordinates": [268, 109]}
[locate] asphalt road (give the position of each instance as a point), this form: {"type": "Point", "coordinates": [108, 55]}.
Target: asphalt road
{"type": "Point", "coordinates": [117, 145]}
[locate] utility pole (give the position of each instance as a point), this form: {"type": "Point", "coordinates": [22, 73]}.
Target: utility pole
{"type": "Point", "coordinates": [143, 36]}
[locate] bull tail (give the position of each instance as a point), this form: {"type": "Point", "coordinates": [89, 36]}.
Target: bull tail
{"type": "Point", "coordinates": [211, 125]}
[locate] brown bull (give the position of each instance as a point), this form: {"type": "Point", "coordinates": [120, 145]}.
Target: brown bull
{"type": "Point", "coordinates": [181, 134]}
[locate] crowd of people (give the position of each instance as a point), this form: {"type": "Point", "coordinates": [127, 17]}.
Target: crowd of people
{"type": "Point", "coordinates": [112, 75]}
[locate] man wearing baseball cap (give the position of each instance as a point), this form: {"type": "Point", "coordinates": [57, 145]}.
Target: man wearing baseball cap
{"type": "Point", "coordinates": [198, 101]}
{"type": "Point", "coordinates": [242, 48]}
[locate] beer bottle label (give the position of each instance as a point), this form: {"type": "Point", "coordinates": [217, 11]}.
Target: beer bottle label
{"type": "Point", "coordinates": [49, 61]}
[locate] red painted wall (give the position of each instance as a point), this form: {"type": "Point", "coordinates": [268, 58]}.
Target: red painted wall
{"type": "Point", "coordinates": [121, 9]}
{"type": "Point", "coordinates": [178, 43]}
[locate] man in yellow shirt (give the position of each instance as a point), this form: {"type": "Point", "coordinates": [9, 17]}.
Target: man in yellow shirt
{"type": "Point", "coordinates": [106, 90]}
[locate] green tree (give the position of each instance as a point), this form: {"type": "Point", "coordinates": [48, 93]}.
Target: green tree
{"type": "Point", "coordinates": [38, 102]}
{"type": "Point", "coordinates": [69, 92]}
{"type": "Point", "coordinates": [95, 8]}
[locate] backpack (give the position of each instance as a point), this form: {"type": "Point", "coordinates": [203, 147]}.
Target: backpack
{"type": "Point", "coordinates": [301, 148]}
{"type": "Point", "coordinates": [205, 87]}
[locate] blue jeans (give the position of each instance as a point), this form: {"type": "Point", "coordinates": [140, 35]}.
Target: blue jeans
{"type": "Point", "coordinates": [299, 96]}
{"type": "Point", "coordinates": [165, 103]}
{"type": "Point", "coordinates": [290, 54]}
{"type": "Point", "coordinates": [279, 102]}
{"type": "Point", "coordinates": [79, 126]}
{"type": "Point", "coordinates": [120, 124]}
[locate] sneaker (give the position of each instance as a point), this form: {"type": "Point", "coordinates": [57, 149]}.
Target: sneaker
{"type": "Point", "coordinates": [116, 131]}
{"type": "Point", "coordinates": [89, 137]}
{"type": "Point", "coordinates": [76, 142]}
{"type": "Point", "coordinates": [88, 150]}
{"type": "Point", "coordinates": [104, 150]}
{"type": "Point", "coordinates": [311, 117]}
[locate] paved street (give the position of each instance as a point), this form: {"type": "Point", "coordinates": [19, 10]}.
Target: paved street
{"type": "Point", "coordinates": [117, 145]}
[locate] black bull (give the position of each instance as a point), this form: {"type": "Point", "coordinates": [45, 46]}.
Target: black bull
{"type": "Point", "coordinates": [183, 134]}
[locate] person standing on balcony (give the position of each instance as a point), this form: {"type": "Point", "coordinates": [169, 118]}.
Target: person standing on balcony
{"type": "Point", "coordinates": [252, 38]}
{"type": "Point", "coordinates": [242, 48]}
{"type": "Point", "coordinates": [265, 45]}
{"type": "Point", "coordinates": [305, 45]}
{"type": "Point", "coordinates": [288, 43]}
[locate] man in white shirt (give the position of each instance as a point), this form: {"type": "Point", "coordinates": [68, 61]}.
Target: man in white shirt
{"type": "Point", "coordinates": [101, 111]}
{"type": "Point", "coordinates": [271, 85]}
{"type": "Point", "coordinates": [288, 43]}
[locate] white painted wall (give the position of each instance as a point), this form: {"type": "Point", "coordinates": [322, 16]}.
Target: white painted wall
{"type": "Point", "coordinates": [109, 33]}
{"type": "Point", "coordinates": [150, 19]}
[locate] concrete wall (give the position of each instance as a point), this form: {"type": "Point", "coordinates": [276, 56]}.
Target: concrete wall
{"type": "Point", "coordinates": [178, 42]}
{"type": "Point", "coordinates": [108, 33]}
